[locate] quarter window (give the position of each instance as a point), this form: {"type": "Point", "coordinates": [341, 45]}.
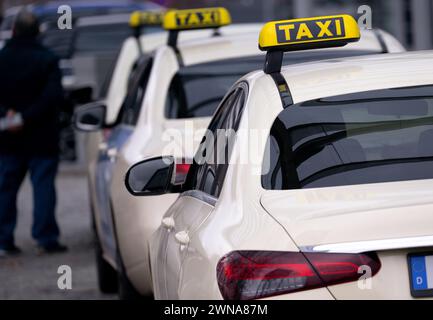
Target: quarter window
{"type": "Point", "coordinates": [138, 83]}
{"type": "Point", "coordinates": [370, 137]}
{"type": "Point", "coordinates": [216, 148]}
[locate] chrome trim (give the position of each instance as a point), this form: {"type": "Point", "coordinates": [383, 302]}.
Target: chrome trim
{"type": "Point", "coordinates": [374, 245]}
{"type": "Point", "coordinates": [200, 195]}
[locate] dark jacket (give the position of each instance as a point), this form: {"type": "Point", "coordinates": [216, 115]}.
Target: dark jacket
{"type": "Point", "coordinates": [30, 83]}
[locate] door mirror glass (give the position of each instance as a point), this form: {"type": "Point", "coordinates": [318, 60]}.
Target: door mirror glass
{"type": "Point", "coordinates": [90, 117]}
{"type": "Point", "coordinates": [151, 177]}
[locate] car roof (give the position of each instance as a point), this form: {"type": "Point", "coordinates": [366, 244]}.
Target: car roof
{"type": "Point", "coordinates": [190, 41]}
{"type": "Point", "coordinates": [219, 47]}
{"type": "Point", "coordinates": [314, 80]}
{"type": "Point", "coordinates": [238, 42]}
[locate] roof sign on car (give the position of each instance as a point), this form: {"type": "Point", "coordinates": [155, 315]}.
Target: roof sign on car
{"type": "Point", "coordinates": [142, 19]}
{"type": "Point", "coordinates": [277, 37]}
{"type": "Point", "coordinates": [146, 18]}
{"type": "Point", "coordinates": [194, 19]}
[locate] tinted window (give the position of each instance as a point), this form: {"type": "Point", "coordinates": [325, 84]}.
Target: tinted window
{"type": "Point", "coordinates": [196, 91]}
{"type": "Point", "coordinates": [216, 149]}
{"type": "Point", "coordinates": [371, 137]}
{"type": "Point", "coordinates": [137, 88]}
{"type": "Point", "coordinates": [103, 38]}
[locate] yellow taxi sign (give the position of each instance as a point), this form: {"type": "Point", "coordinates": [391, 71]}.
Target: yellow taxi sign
{"type": "Point", "coordinates": [196, 19]}
{"type": "Point", "coordinates": [309, 33]}
{"type": "Point", "coordinates": [146, 18]}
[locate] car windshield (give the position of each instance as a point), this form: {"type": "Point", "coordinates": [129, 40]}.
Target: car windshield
{"type": "Point", "coordinates": [196, 90]}
{"type": "Point", "coordinates": [371, 137]}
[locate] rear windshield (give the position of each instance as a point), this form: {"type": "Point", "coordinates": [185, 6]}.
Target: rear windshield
{"type": "Point", "coordinates": [103, 38]}
{"type": "Point", "coordinates": [371, 137]}
{"type": "Point", "coordinates": [196, 91]}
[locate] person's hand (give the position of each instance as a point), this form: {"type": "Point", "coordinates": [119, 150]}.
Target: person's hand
{"type": "Point", "coordinates": [15, 128]}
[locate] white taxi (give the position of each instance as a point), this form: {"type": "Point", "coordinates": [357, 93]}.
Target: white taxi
{"type": "Point", "coordinates": [122, 258]}
{"type": "Point", "coordinates": [131, 63]}
{"type": "Point", "coordinates": [314, 181]}
{"type": "Point", "coordinates": [180, 88]}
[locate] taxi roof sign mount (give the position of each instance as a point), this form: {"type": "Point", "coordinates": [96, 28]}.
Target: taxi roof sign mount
{"type": "Point", "coordinates": [278, 37]}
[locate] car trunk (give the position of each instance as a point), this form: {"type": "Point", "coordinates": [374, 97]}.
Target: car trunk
{"type": "Point", "coordinates": [392, 219]}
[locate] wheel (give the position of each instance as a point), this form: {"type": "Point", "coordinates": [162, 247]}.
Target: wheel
{"type": "Point", "coordinates": [107, 276]}
{"type": "Point", "coordinates": [126, 289]}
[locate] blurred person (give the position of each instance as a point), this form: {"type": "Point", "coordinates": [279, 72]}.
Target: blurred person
{"type": "Point", "coordinates": [30, 93]}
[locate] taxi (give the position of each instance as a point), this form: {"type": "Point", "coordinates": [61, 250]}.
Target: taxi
{"type": "Point", "coordinates": [155, 76]}
{"type": "Point", "coordinates": [313, 181]}
{"type": "Point", "coordinates": [181, 75]}
{"type": "Point", "coordinates": [131, 60]}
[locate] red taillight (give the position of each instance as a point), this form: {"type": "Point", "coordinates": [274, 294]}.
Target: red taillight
{"type": "Point", "coordinates": [244, 275]}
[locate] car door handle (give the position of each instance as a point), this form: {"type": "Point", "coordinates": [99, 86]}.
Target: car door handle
{"type": "Point", "coordinates": [168, 223]}
{"type": "Point", "coordinates": [182, 238]}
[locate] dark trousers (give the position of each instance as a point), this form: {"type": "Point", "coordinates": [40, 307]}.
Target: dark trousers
{"type": "Point", "coordinates": [43, 170]}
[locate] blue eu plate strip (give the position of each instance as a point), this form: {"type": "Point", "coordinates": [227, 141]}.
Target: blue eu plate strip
{"type": "Point", "coordinates": [419, 273]}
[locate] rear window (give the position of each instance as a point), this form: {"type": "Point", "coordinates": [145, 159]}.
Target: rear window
{"type": "Point", "coordinates": [371, 137]}
{"type": "Point", "coordinates": [101, 38]}
{"type": "Point", "coordinates": [196, 91]}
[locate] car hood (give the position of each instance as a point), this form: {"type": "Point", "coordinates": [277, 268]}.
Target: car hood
{"type": "Point", "coordinates": [364, 213]}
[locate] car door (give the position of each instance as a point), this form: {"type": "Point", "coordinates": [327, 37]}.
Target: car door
{"type": "Point", "coordinates": [115, 139]}
{"type": "Point", "coordinates": [195, 206]}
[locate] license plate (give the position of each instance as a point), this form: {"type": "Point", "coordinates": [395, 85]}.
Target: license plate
{"type": "Point", "coordinates": [421, 275]}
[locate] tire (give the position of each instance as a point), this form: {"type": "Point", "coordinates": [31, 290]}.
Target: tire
{"type": "Point", "coordinates": [107, 276]}
{"type": "Point", "coordinates": [126, 289]}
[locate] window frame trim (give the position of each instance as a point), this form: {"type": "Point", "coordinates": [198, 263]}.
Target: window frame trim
{"type": "Point", "coordinates": [244, 87]}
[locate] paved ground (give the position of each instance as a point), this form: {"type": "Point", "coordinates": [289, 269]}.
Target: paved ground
{"type": "Point", "coordinates": [33, 277]}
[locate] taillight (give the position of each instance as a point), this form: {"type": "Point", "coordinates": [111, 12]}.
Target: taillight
{"type": "Point", "coordinates": [244, 275]}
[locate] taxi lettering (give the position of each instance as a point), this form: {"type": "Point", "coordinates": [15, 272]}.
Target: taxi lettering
{"type": "Point", "coordinates": [151, 18]}
{"type": "Point", "coordinates": [310, 30]}
{"type": "Point", "coordinates": [186, 20]}
{"type": "Point", "coordinates": [139, 19]}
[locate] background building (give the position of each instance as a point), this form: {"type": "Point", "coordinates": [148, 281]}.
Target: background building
{"type": "Point", "coordinates": [409, 20]}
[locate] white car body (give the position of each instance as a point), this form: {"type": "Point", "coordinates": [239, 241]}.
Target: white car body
{"type": "Point", "coordinates": [393, 218]}
{"type": "Point", "coordinates": [96, 144]}
{"type": "Point", "coordinates": [137, 218]}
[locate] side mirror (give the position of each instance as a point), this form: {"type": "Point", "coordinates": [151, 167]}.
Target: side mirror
{"type": "Point", "coordinates": [81, 96]}
{"type": "Point", "coordinates": [90, 117]}
{"type": "Point", "coordinates": [156, 176]}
